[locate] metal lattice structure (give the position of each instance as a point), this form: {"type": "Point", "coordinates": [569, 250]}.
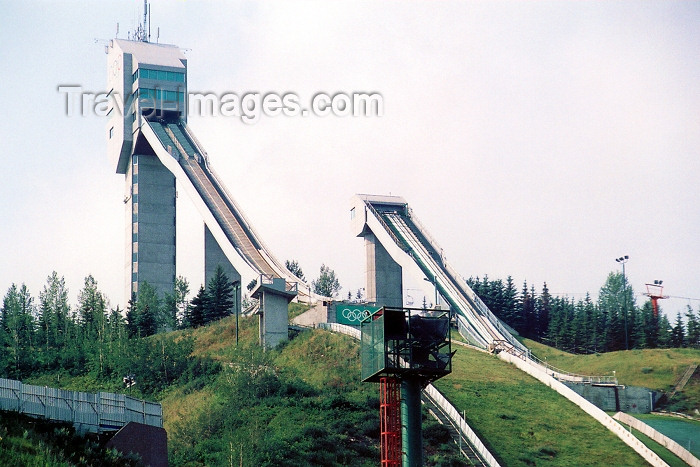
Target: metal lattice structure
{"type": "Point", "coordinates": [390, 421]}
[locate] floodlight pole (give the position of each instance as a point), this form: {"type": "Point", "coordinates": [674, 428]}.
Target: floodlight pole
{"type": "Point", "coordinates": [623, 260]}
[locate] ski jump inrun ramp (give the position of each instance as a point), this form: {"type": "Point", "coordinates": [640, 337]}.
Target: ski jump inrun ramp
{"type": "Point", "coordinates": [179, 151]}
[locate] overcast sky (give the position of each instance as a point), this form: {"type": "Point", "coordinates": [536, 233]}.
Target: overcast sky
{"type": "Point", "coordinates": [535, 139]}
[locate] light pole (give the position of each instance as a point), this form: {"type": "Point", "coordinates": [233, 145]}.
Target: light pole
{"type": "Point", "coordinates": [623, 260]}
{"type": "Point", "coordinates": [434, 282]}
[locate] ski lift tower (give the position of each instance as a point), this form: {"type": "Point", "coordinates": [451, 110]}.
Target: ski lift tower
{"type": "Point", "coordinates": [404, 349]}
{"type": "Point", "coordinates": [655, 293]}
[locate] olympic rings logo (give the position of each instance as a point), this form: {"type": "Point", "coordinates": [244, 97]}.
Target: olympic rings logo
{"type": "Point", "coordinates": [355, 314]}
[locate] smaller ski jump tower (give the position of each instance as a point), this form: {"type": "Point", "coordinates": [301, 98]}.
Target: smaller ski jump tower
{"type": "Point", "coordinates": [150, 143]}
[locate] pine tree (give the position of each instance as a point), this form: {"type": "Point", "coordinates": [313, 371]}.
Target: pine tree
{"type": "Point", "coordinates": [665, 332]}
{"type": "Point", "coordinates": [197, 309]}
{"type": "Point", "coordinates": [510, 302]}
{"type": "Point", "coordinates": [52, 319]}
{"type": "Point", "coordinates": [678, 333]}
{"type": "Point", "coordinates": [527, 305]}
{"type": "Point", "coordinates": [693, 327]}
{"type": "Point", "coordinates": [638, 337]}
{"type": "Point", "coordinates": [147, 310]}
{"type": "Point", "coordinates": [220, 296]}
{"type": "Point", "coordinates": [18, 322]}
{"type": "Point", "coordinates": [542, 309]}
{"type": "Point", "coordinates": [615, 299]}
{"type": "Point", "coordinates": [132, 327]}
{"type": "Point", "coordinates": [651, 325]}
{"type": "Point", "coordinates": [294, 268]}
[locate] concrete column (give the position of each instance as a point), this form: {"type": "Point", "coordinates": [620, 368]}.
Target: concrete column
{"type": "Point", "coordinates": [384, 280]}
{"type": "Point", "coordinates": [274, 311]}
{"type": "Point", "coordinates": [151, 224]}
{"type": "Point", "coordinates": [214, 256]}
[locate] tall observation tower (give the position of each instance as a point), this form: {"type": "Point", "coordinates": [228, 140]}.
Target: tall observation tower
{"type": "Point", "coordinates": [151, 144]}
{"type": "Point", "coordinates": [151, 81]}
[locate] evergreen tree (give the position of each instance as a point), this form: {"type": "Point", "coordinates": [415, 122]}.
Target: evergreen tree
{"type": "Point", "coordinates": [678, 333]}
{"type": "Point", "coordinates": [510, 302]}
{"type": "Point", "coordinates": [132, 327]}
{"type": "Point", "coordinates": [651, 325]}
{"type": "Point", "coordinates": [527, 305]}
{"type": "Point", "coordinates": [197, 309]}
{"type": "Point", "coordinates": [615, 299]}
{"type": "Point", "coordinates": [294, 268]}
{"type": "Point", "coordinates": [53, 318]}
{"type": "Point", "coordinates": [18, 323]}
{"type": "Point", "coordinates": [147, 310]}
{"type": "Point", "coordinates": [542, 310]}
{"type": "Point", "coordinates": [91, 307]}
{"type": "Point", "coordinates": [638, 337]}
{"type": "Point", "coordinates": [693, 327]}
{"type": "Point", "coordinates": [220, 296]}
{"type": "Point", "coordinates": [665, 333]}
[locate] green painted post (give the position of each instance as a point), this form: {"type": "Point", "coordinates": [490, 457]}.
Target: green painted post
{"type": "Point", "coordinates": [411, 423]}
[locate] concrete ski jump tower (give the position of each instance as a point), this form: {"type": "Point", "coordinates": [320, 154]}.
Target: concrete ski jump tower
{"type": "Point", "coordinates": [150, 143]}
{"type": "Point", "coordinates": [149, 79]}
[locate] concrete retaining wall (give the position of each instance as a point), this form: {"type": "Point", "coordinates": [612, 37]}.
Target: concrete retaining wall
{"type": "Point", "coordinates": [613, 398]}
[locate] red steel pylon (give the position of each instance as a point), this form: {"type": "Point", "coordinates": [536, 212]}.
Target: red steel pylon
{"type": "Point", "coordinates": [390, 420]}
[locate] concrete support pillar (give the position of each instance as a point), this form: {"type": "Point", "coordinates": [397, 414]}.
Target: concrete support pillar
{"type": "Point", "coordinates": [214, 256]}
{"type": "Point", "coordinates": [274, 311]}
{"type": "Point", "coordinates": [384, 280]}
{"type": "Point", "coordinates": [150, 205]}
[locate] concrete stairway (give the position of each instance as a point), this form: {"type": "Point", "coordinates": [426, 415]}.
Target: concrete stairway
{"type": "Point", "coordinates": [684, 380]}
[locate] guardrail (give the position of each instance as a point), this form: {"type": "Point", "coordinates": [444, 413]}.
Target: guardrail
{"type": "Point", "coordinates": [551, 370]}
{"type": "Point", "coordinates": [88, 412]}
{"type": "Point", "coordinates": [381, 220]}
{"type": "Point", "coordinates": [464, 429]}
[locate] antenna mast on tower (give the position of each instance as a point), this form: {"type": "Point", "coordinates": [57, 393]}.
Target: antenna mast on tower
{"type": "Point", "coordinates": [143, 30]}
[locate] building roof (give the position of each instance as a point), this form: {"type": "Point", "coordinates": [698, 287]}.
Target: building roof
{"type": "Point", "coordinates": [153, 54]}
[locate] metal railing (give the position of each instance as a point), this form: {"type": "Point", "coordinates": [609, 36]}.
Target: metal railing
{"type": "Point", "coordinates": [381, 220]}
{"type": "Point", "coordinates": [462, 284]}
{"type": "Point", "coordinates": [88, 412]}
{"type": "Point", "coordinates": [550, 370]}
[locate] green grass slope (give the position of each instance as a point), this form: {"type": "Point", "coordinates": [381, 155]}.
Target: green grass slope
{"type": "Point", "coordinates": [525, 423]}
{"type": "Point", "coordinates": [300, 404]}
{"type": "Point", "coordinates": [656, 369]}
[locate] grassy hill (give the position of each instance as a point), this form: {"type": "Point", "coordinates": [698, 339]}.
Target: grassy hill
{"type": "Point", "coordinates": [522, 421]}
{"type": "Point", "coordinates": [656, 369]}
{"type": "Point", "coordinates": [303, 404]}
{"type": "Point", "coordinates": [300, 404]}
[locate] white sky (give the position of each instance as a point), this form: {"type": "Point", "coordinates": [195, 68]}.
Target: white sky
{"type": "Point", "coordinates": [536, 139]}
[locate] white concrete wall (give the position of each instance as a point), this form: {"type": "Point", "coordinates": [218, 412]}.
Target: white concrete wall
{"type": "Point", "coordinates": [685, 455]}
